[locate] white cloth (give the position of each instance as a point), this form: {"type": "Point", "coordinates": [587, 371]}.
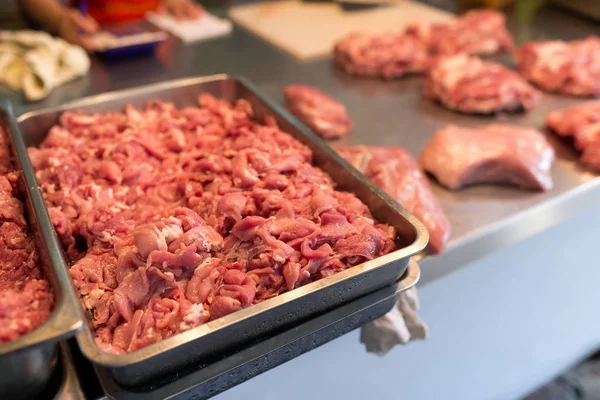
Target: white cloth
{"type": "Point", "coordinates": [399, 326]}
{"type": "Point", "coordinates": [34, 62]}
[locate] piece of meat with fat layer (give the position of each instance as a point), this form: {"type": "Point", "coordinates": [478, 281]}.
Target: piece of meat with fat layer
{"type": "Point", "coordinates": [571, 68]}
{"type": "Point", "coordinates": [324, 115]}
{"type": "Point", "coordinates": [494, 154]}
{"type": "Point", "coordinates": [384, 56]}
{"type": "Point", "coordinates": [470, 85]}
{"type": "Point", "coordinates": [397, 172]}
{"type": "Point", "coordinates": [481, 32]}
{"type": "Point", "coordinates": [582, 123]}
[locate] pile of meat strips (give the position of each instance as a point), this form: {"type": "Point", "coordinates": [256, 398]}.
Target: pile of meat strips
{"type": "Point", "coordinates": [25, 297]}
{"type": "Point", "coordinates": [175, 217]}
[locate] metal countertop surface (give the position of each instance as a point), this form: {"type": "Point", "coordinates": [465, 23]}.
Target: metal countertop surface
{"type": "Point", "coordinates": [484, 218]}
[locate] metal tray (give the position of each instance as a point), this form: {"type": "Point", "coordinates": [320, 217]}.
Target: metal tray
{"type": "Point", "coordinates": [239, 366]}
{"type": "Point", "coordinates": [28, 363]}
{"type": "Point", "coordinates": [70, 387]}
{"type": "Point", "coordinates": [277, 313]}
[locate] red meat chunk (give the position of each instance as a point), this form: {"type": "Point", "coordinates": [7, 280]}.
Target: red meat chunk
{"type": "Point", "coordinates": [384, 56]}
{"type": "Point", "coordinates": [582, 123]}
{"type": "Point", "coordinates": [397, 172]}
{"type": "Point", "coordinates": [481, 32]}
{"type": "Point", "coordinates": [497, 154]}
{"type": "Point", "coordinates": [175, 217]}
{"type": "Point", "coordinates": [22, 310]}
{"type": "Point", "coordinates": [26, 299]}
{"type": "Point", "coordinates": [325, 116]}
{"type": "Point", "coordinates": [571, 68]}
{"type": "Point", "coordinates": [471, 85]}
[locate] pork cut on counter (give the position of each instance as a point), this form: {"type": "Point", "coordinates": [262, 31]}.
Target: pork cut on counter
{"type": "Point", "coordinates": [495, 154]}
{"type": "Point", "coordinates": [481, 32]}
{"type": "Point", "coordinates": [470, 85]}
{"type": "Point", "coordinates": [26, 300]}
{"type": "Point", "coordinates": [397, 172]}
{"type": "Point", "coordinates": [326, 116]}
{"type": "Point", "coordinates": [582, 123]}
{"type": "Point", "coordinates": [175, 217]}
{"type": "Point", "coordinates": [571, 68]}
{"type": "Point", "coordinates": [384, 56]}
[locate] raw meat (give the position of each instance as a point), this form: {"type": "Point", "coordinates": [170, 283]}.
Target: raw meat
{"type": "Point", "coordinates": [175, 217]}
{"type": "Point", "coordinates": [385, 56]}
{"type": "Point", "coordinates": [497, 154]}
{"type": "Point", "coordinates": [582, 122]}
{"type": "Point", "coordinates": [397, 172]}
{"type": "Point", "coordinates": [471, 85]}
{"type": "Point", "coordinates": [480, 32]}
{"type": "Point", "coordinates": [25, 297]}
{"type": "Point", "coordinates": [571, 68]}
{"type": "Point", "coordinates": [324, 115]}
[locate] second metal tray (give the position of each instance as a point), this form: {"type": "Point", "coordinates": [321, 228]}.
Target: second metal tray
{"type": "Point", "coordinates": [282, 311]}
{"type": "Point", "coordinates": [237, 367]}
{"type": "Point", "coordinates": [28, 363]}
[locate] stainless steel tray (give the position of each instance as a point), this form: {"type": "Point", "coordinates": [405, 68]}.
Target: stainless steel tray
{"type": "Point", "coordinates": [239, 366]}
{"type": "Point", "coordinates": [27, 364]}
{"type": "Point", "coordinates": [276, 313]}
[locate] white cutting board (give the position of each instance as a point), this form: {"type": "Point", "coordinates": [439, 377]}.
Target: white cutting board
{"type": "Point", "coordinates": [309, 30]}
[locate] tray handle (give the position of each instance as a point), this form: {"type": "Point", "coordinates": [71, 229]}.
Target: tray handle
{"type": "Point", "coordinates": [410, 279]}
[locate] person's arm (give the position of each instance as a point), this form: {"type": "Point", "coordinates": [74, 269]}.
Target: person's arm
{"type": "Point", "coordinates": [58, 19]}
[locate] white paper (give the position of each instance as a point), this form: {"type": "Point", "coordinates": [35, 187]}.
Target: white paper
{"type": "Point", "coordinates": [206, 27]}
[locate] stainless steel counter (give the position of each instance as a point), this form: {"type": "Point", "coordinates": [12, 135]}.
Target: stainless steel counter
{"type": "Point", "coordinates": [484, 219]}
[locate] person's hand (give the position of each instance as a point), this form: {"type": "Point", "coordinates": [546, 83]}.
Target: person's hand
{"type": "Point", "coordinates": [73, 27]}
{"type": "Point", "coordinates": [180, 9]}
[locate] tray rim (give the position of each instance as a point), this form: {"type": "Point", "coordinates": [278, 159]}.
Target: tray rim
{"type": "Point", "coordinates": [84, 337]}
{"type": "Point", "coordinates": [65, 319]}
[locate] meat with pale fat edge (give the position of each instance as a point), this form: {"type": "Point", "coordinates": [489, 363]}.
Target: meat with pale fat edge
{"type": "Point", "coordinates": [571, 68]}
{"type": "Point", "coordinates": [386, 56]}
{"type": "Point", "coordinates": [470, 85]}
{"type": "Point", "coordinates": [175, 217]}
{"type": "Point", "coordinates": [494, 154]}
{"type": "Point", "coordinates": [26, 299]}
{"type": "Point", "coordinates": [326, 116]}
{"type": "Point", "coordinates": [397, 173]}
{"type": "Point", "coordinates": [481, 32]}
{"type": "Point", "coordinates": [582, 123]}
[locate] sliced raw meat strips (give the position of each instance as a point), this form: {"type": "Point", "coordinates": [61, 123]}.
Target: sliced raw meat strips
{"type": "Point", "coordinates": [26, 299]}
{"type": "Point", "coordinates": [471, 85]}
{"type": "Point", "coordinates": [480, 32]}
{"type": "Point", "coordinates": [494, 154]}
{"type": "Point", "coordinates": [384, 56]}
{"type": "Point", "coordinates": [325, 116]}
{"type": "Point", "coordinates": [175, 217]}
{"type": "Point", "coordinates": [571, 68]}
{"type": "Point", "coordinates": [582, 123]}
{"type": "Point", "coordinates": [397, 172]}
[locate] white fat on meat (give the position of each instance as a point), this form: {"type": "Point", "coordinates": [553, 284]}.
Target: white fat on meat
{"type": "Point", "coordinates": [195, 316]}
{"type": "Point", "coordinates": [454, 69]}
{"type": "Point", "coordinates": [553, 55]}
{"type": "Point", "coordinates": [171, 231]}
